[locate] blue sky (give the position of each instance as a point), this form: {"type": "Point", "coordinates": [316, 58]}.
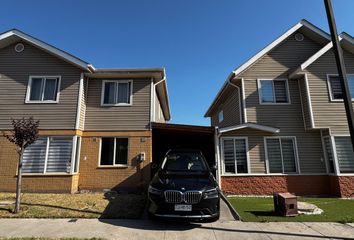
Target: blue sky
{"type": "Point", "coordinates": [199, 42]}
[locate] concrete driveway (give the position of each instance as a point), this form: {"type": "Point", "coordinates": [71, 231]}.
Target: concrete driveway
{"type": "Point", "coordinates": [226, 228]}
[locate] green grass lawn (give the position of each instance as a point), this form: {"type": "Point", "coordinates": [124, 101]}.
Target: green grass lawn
{"type": "Point", "coordinates": [85, 205]}
{"type": "Point", "coordinates": [257, 209]}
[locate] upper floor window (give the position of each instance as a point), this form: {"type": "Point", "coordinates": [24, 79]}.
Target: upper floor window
{"type": "Point", "coordinates": [335, 88]}
{"type": "Point", "coordinates": [43, 89]}
{"type": "Point", "coordinates": [273, 91]}
{"type": "Point", "coordinates": [117, 92]}
{"type": "Point", "coordinates": [221, 116]}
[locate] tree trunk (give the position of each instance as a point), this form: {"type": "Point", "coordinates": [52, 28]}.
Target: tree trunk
{"type": "Point", "coordinates": [19, 182]}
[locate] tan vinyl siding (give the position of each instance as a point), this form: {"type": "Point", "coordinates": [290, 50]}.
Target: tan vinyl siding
{"type": "Point", "coordinates": [158, 111]}
{"type": "Point", "coordinates": [305, 103]}
{"type": "Point", "coordinates": [135, 117]}
{"type": "Point", "coordinates": [230, 106]}
{"type": "Point", "coordinates": [15, 69]}
{"type": "Point", "coordinates": [326, 113]}
{"type": "Point", "coordinates": [287, 117]}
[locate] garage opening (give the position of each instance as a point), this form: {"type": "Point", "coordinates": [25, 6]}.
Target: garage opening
{"type": "Point", "coordinates": [169, 136]}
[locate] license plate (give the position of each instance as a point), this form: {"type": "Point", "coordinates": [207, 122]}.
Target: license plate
{"type": "Point", "coordinates": [183, 207]}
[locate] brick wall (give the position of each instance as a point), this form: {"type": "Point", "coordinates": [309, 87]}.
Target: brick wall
{"type": "Point", "coordinates": [343, 186]}
{"type": "Point", "coordinates": [30, 183]}
{"type": "Point", "coordinates": [133, 177]}
{"type": "Point", "coordinates": [266, 185]}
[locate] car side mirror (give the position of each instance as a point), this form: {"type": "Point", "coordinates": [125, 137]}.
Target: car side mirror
{"type": "Point", "coordinates": [154, 166]}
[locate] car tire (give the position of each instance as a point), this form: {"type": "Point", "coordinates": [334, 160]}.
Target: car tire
{"type": "Point", "coordinates": [151, 216]}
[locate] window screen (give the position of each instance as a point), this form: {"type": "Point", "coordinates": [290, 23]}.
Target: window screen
{"type": "Point", "coordinates": [235, 155]}
{"type": "Point", "coordinates": [273, 91]}
{"type": "Point", "coordinates": [117, 92]}
{"type": "Point", "coordinates": [281, 155]}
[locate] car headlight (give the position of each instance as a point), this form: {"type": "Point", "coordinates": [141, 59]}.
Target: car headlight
{"type": "Point", "coordinates": [211, 193]}
{"type": "Point", "coordinates": [155, 191]}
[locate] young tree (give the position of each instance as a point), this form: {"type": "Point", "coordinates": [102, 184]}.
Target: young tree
{"type": "Point", "coordinates": [23, 134]}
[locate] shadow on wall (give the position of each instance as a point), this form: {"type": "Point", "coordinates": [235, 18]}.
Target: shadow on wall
{"type": "Point", "coordinates": [127, 200]}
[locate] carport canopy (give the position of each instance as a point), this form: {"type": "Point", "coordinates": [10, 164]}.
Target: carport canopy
{"type": "Point", "coordinates": [167, 136]}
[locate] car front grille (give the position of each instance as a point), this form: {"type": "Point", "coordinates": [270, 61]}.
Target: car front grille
{"type": "Point", "coordinates": [189, 197]}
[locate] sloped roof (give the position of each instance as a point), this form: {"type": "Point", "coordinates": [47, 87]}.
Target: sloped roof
{"type": "Point", "coordinates": [15, 35]}
{"type": "Point", "coordinates": [311, 29]}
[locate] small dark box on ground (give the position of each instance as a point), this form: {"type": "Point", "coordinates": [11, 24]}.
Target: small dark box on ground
{"type": "Point", "coordinates": [285, 204]}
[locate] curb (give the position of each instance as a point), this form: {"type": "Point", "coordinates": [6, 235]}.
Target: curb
{"type": "Point", "coordinates": [231, 208]}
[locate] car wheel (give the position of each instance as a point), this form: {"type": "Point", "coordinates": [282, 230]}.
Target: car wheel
{"type": "Point", "coordinates": [151, 216]}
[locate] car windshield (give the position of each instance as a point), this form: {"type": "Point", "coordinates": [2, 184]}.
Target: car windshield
{"type": "Point", "coordinates": [184, 162]}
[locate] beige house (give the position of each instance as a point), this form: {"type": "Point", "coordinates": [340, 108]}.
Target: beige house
{"type": "Point", "coordinates": [280, 118]}
{"type": "Point", "coordinates": [95, 124]}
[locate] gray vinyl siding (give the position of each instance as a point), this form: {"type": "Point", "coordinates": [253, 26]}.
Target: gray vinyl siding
{"type": "Point", "coordinates": [327, 114]}
{"type": "Point", "coordinates": [231, 109]}
{"type": "Point", "coordinates": [15, 69]}
{"type": "Point", "coordinates": [305, 103]}
{"type": "Point", "coordinates": [115, 118]}
{"type": "Point", "coordinates": [287, 117]}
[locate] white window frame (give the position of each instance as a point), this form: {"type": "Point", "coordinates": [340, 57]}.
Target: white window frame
{"type": "Point", "coordinates": [330, 88]}
{"type": "Point", "coordinates": [221, 113]}
{"type": "Point", "coordinates": [114, 154]}
{"type": "Point", "coordinates": [72, 160]}
{"type": "Point", "coordinates": [259, 86]}
{"type": "Point", "coordinates": [297, 164]}
{"type": "Point", "coordinates": [117, 104]}
{"type": "Point", "coordinates": [28, 91]}
{"type": "Point", "coordinates": [334, 152]}
{"type": "Point", "coordinates": [222, 157]}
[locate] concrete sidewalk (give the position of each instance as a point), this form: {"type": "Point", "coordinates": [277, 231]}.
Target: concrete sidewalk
{"type": "Point", "coordinates": [145, 229]}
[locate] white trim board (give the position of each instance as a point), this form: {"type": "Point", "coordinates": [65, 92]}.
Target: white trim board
{"type": "Point", "coordinates": [318, 54]}
{"type": "Point", "coordinates": [249, 125]}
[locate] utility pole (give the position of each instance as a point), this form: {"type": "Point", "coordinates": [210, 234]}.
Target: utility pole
{"type": "Point", "coordinates": [338, 53]}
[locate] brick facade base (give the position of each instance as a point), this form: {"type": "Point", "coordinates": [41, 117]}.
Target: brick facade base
{"type": "Point", "coordinates": [300, 185]}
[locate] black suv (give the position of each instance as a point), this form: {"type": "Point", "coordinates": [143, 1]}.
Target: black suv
{"type": "Point", "coordinates": [184, 187]}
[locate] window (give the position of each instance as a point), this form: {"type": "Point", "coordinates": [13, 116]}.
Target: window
{"type": "Point", "coordinates": [221, 116]}
{"type": "Point", "coordinates": [235, 155]}
{"type": "Point", "coordinates": [43, 89]}
{"type": "Point", "coordinates": [335, 87]}
{"type": "Point", "coordinates": [281, 154]}
{"type": "Point", "coordinates": [116, 93]}
{"type": "Point", "coordinates": [273, 91]}
{"type": "Point", "coordinates": [329, 154]}
{"type": "Point", "coordinates": [345, 155]}
{"type": "Point", "coordinates": [50, 155]}
{"type": "Point", "coordinates": [114, 151]}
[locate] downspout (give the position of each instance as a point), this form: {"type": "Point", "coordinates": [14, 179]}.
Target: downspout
{"type": "Point", "coordinates": [217, 136]}
{"type": "Point", "coordinates": [217, 156]}
{"type": "Point", "coordinates": [239, 98]}
{"type": "Point", "coordinates": [153, 93]}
